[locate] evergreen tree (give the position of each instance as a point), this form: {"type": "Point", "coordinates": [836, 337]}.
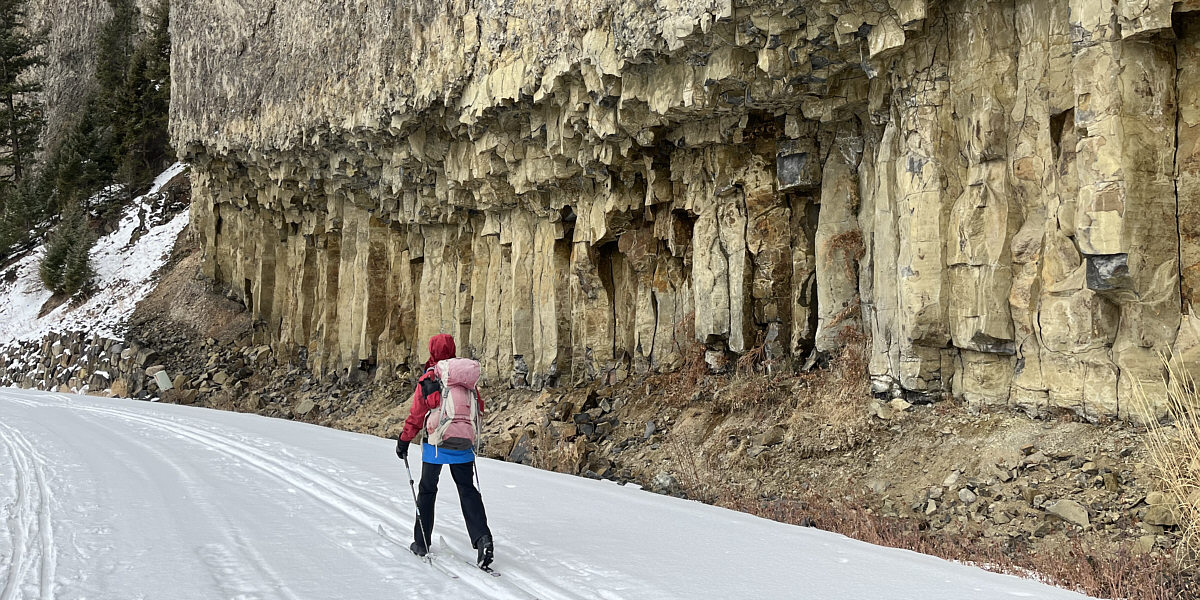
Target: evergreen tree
{"type": "Point", "coordinates": [66, 267]}
{"type": "Point", "coordinates": [20, 114]}
{"type": "Point", "coordinates": [50, 270]}
{"type": "Point", "coordinates": [146, 144]}
{"type": "Point", "coordinates": [120, 136]}
{"type": "Point", "coordinates": [22, 208]}
{"type": "Point", "coordinates": [114, 50]}
{"type": "Point", "coordinates": [77, 268]}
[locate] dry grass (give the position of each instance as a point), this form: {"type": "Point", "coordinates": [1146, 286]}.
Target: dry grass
{"type": "Point", "coordinates": [1173, 441]}
{"type": "Point", "coordinates": [826, 408]}
{"type": "Point", "coordinates": [836, 396]}
{"type": "Point", "coordinates": [851, 244]}
{"type": "Point", "coordinates": [755, 358]}
{"type": "Point", "coordinates": [679, 386]}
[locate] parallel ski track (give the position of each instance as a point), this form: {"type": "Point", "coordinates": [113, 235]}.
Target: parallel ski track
{"type": "Point", "coordinates": [323, 489]}
{"type": "Point", "coordinates": [28, 522]}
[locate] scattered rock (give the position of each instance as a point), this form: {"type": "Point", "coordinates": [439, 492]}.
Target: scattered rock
{"type": "Point", "coordinates": [878, 486]}
{"type": "Point", "coordinates": [882, 410]}
{"type": "Point", "coordinates": [770, 437]}
{"type": "Point", "coordinates": [520, 452]}
{"type": "Point", "coordinates": [1071, 511]}
{"type": "Point", "coordinates": [304, 407]}
{"type": "Point", "coordinates": [967, 496]}
{"type": "Point", "coordinates": [1034, 459]}
{"type": "Point", "coordinates": [665, 483]}
{"type": "Point", "coordinates": [1161, 515]}
{"type": "Point", "coordinates": [1110, 483]}
{"type": "Point", "coordinates": [950, 479]}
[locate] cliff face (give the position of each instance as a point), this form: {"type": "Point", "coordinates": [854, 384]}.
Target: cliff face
{"type": "Point", "coordinates": [71, 29]}
{"type": "Point", "coordinates": [1002, 194]}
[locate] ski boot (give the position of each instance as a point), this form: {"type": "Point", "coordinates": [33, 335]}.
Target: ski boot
{"type": "Point", "coordinates": [486, 552]}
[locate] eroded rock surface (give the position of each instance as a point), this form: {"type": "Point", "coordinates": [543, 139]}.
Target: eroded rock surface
{"type": "Point", "coordinates": [1000, 193]}
{"type": "Point", "coordinates": [71, 29]}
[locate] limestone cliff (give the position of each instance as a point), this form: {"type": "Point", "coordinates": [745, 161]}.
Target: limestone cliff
{"type": "Point", "coordinates": [1002, 194]}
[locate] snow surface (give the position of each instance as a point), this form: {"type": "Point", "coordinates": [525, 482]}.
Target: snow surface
{"type": "Point", "coordinates": [115, 499]}
{"type": "Point", "coordinates": [123, 274]}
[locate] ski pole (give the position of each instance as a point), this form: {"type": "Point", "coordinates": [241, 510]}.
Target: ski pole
{"type": "Point", "coordinates": [420, 521]}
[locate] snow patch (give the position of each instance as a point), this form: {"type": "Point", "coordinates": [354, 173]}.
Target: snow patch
{"type": "Point", "coordinates": [123, 265]}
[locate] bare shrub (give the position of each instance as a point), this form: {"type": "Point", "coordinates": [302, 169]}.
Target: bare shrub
{"type": "Point", "coordinates": [679, 386]}
{"type": "Point", "coordinates": [1173, 442]}
{"type": "Point", "coordinates": [836, 397]}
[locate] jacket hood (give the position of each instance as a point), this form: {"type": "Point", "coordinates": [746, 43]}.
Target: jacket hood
{"type": "Point", "coordinates": [441, 347]}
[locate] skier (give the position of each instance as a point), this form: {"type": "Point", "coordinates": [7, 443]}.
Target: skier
{"type": "Point", "coordinates": [426, 398]}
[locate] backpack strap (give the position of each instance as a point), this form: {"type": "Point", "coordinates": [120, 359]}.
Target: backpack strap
{"type": "Point", "coordinates": [429, 385]}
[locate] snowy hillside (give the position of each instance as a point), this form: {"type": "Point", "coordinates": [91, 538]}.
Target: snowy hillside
{"type": "Point", "coordinates": [111, 499]}
{"type": "Point", "coordinates": [123, 273]}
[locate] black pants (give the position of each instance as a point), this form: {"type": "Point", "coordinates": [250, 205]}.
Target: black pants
{"type": "Point", "coordinates": [468, 498]}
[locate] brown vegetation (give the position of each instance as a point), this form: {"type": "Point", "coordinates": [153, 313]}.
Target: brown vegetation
{"type": "Point", "coordinates": [1173, 440]}
{"type": "Point", "coordinates": [826, 406]}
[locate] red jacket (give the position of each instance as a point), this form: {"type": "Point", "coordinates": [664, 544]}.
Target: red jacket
{"type": "Point", "coordinates": [426, 397]}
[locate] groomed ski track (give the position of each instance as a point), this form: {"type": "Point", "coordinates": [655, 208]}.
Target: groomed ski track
{"type": "Point", "coordinates": [116, 499]}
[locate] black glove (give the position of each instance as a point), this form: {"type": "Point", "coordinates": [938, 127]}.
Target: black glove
{"type": "Point", "coordinates": [402, 449]}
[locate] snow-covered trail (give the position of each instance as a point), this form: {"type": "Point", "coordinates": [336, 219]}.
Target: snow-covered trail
{"type": "Point", "coordinates": [114, 499]}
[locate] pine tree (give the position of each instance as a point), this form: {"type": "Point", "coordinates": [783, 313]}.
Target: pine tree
{"type": "Point", "coordinates": [146, 144]}
{"type": "Point", "coordinates": [66, 266]}
{"type": "Point", "coordinates": [50, 270]}
{"type": "Point", "coordinates": [77, 269]}
{"type": "Point", "coordinates": [114, 49]}
{"type": "Point", "coordinates": [20, 114]}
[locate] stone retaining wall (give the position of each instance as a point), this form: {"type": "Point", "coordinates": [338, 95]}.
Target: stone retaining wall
{"type": "Point", "coordinates": [79, 362]}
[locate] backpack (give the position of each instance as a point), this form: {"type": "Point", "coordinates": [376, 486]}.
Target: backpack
{"type": "Point", "coordinates": [455, 424]}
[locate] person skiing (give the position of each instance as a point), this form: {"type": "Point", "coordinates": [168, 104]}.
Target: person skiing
{"type": "Point", "coordinates": [458, 452]}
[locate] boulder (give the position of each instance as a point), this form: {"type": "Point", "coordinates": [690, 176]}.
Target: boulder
{"type": "Point", "coordinates": [119, 388]}
{"type": "Point", "coordinates": [665, 483]}
{"type": "Point", "coordinates": [1070, 511]}
{"type": "Point", "coordinates": [1161, 515]}
{"type": "Point", "coordinates": [770, 437]}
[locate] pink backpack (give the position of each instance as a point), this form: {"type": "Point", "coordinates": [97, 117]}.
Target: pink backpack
{"type": "Point", "coordinates": [456, 422]}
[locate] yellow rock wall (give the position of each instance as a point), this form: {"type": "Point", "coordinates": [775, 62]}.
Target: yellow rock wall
{"type": "Point", "coordinates": [1001, 194]}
